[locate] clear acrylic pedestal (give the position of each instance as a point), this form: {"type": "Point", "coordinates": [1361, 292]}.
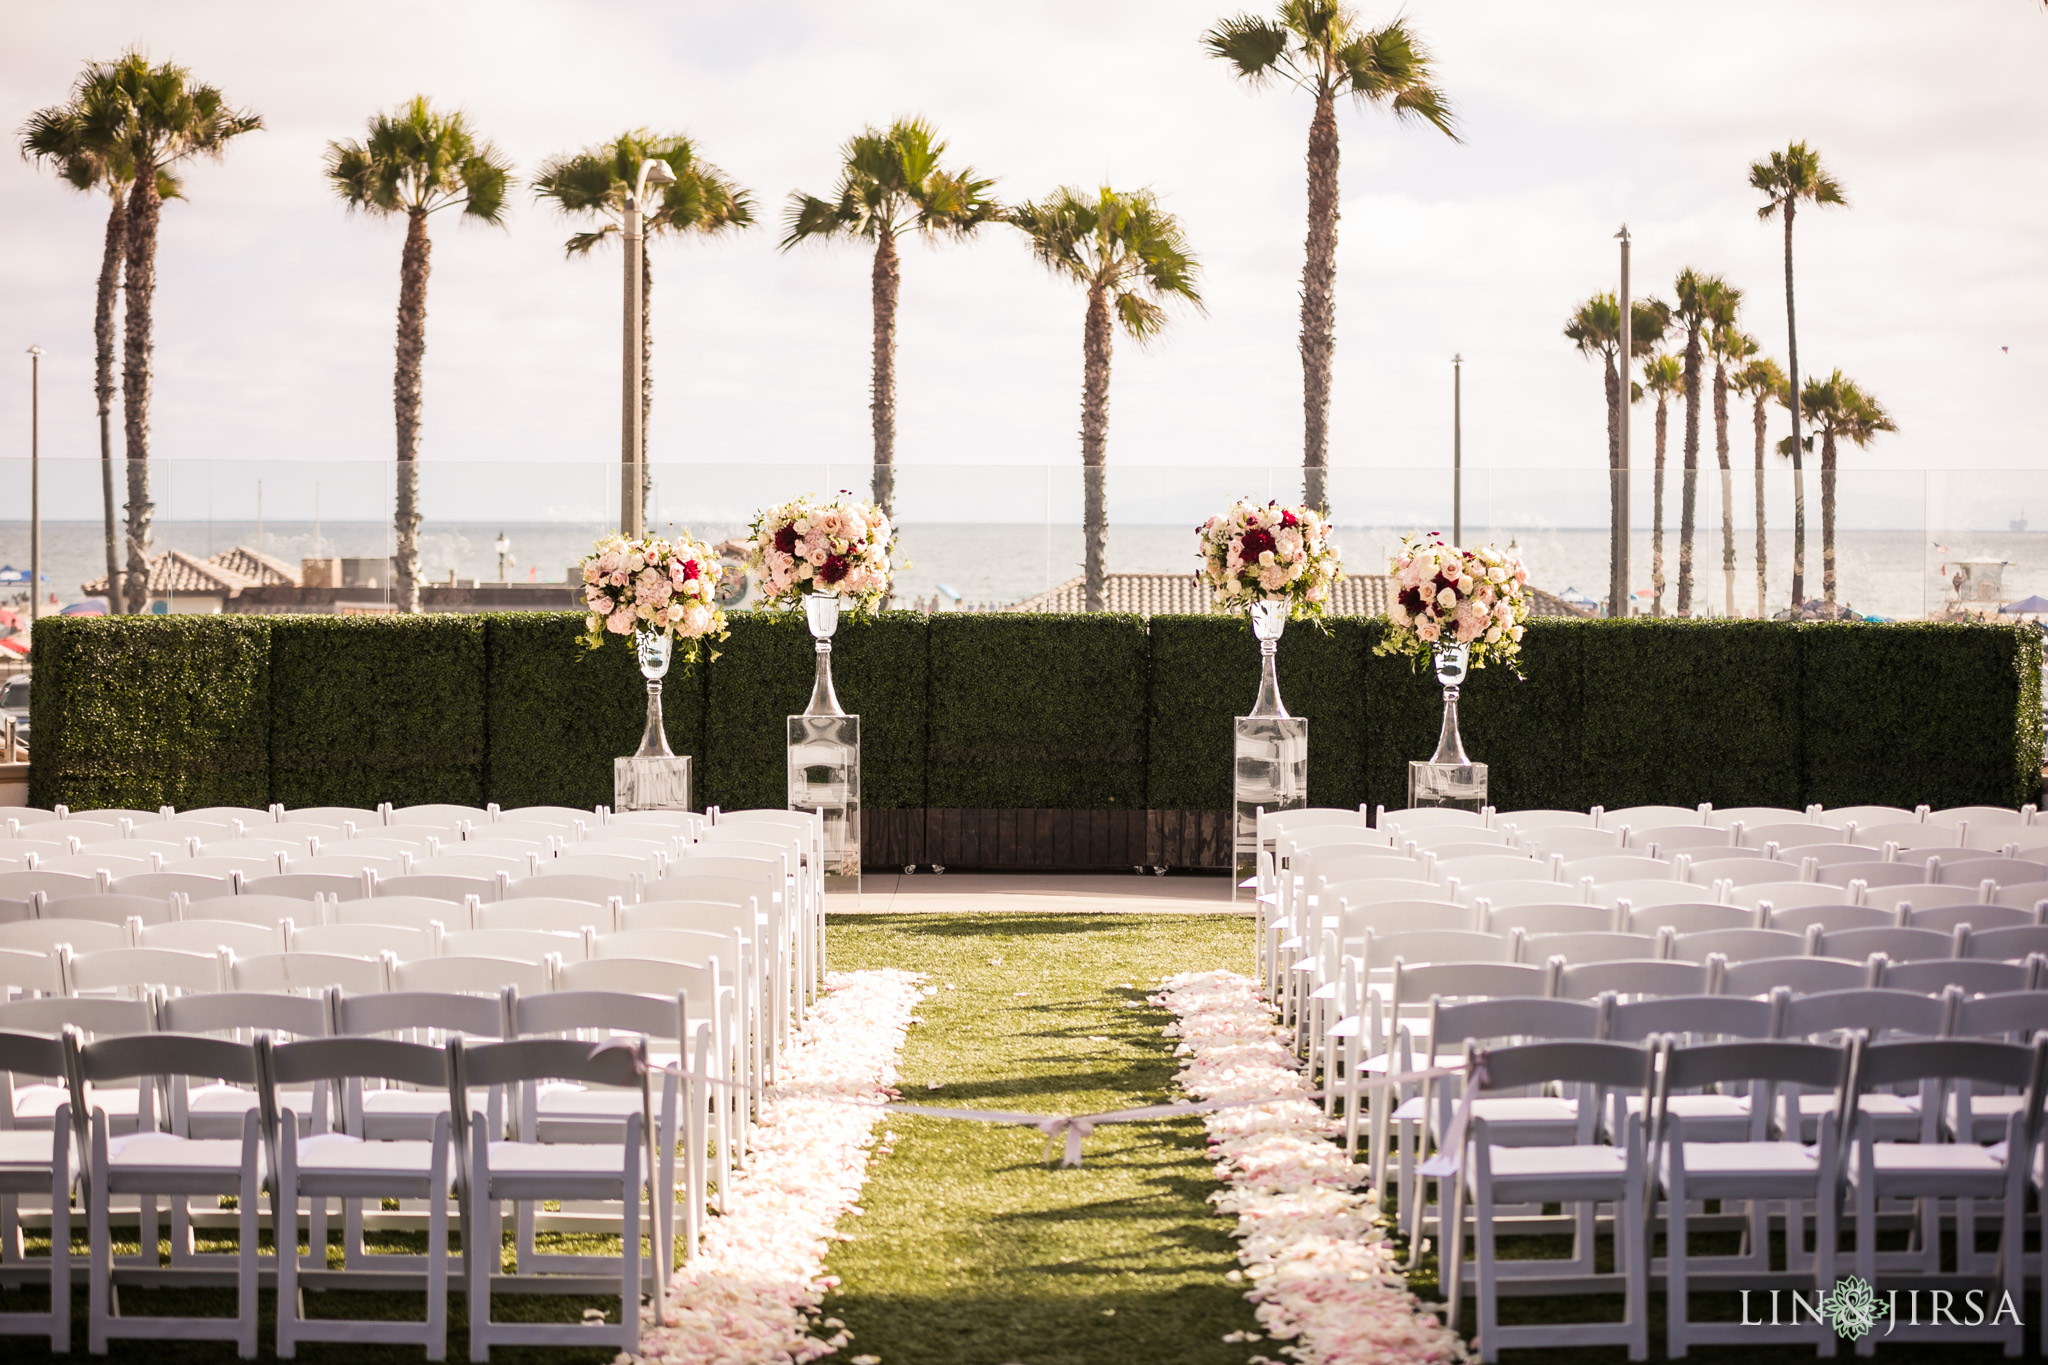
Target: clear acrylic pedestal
{"type": "Point", "coordinates": [651, 783]}
{"type": "Point", "coordinates": [1462, 785]}
{"type": "Point", "coordinates": [824, 776]}
{"type": "Point", "coordinates": [1270, 774]}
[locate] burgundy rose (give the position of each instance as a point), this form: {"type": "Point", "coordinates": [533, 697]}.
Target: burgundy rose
{"type": "Point", "coordinates": [833, 569]}
{"type": "Point", "coordinates": [1289, 519]}
{"type": "Point", "coordinates": [785, 540]}
{"type": "Point", "coordinates": [1256, 542]}
{"type": "Point", "coordinates": [689, 569]}
{"type": "Point", "coordinates": [1411, 601]}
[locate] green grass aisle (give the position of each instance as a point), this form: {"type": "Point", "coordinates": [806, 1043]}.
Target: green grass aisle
{"type": "Point", "coordinates": [972, 1250]}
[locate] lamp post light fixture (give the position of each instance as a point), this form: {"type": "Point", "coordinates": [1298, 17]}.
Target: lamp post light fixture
{"type": "Point", "coordinates": [35, 483]}
{"type": "Point", "coordinates": [632, 427]}
{"type": "Point", "coordinates": [504, 549]}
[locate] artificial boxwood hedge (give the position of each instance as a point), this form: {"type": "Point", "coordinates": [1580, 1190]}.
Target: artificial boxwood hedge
{"type": "Point", "coordinates": [1033, 712]}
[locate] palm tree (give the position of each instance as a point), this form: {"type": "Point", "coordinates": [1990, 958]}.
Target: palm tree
{"type": "Point", "coordinates": [1595, 328]}
{"type": "Point", "coordinates": [1133, 259]}
{"type": "Point", "coordinates": [1788, 179]}
{"type": "Point", "coordinates": [1730, 347]}
{"type": "Point", "coordinates": [80, 147]}
{"type": "Point", "coordinates": [891, 183]}
{"type": "Point", "coordinates": [1663, 377]}
{"type": "Point", "coordinates": [1320, 46]}
{"type": "Point", "coordinates": [1704, 303]}
{"type": "Point", "coordinates": [416, 161]}
{"type": "Point", "coordinates": [1840, 410]}
{"type": "Point", "coordinates": [1763, 381]}
{"type": "Point", "coordinates": [147, 120]}
{"type": "Point", "coordinates": [595, 183]}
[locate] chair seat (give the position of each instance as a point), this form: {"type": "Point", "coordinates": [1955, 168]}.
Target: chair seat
{"type": "Point", "coordinates": [1523, 1174]}
{"type": "Point", "coordinates": [36, 1104]}
{"type": "Point", "coordinates": [25, 1159]}
{"type": "Point", "coordinates": [168, 1164]}
{"type": "Point", "coordinates": [598, 1159]}
{"type": "Point", "coordinates": [334, 1158]}
{"type": "Point", "coordinates": [1933, 1168]}
{"type": "Point", "coordinates": [1737, 1170]}
{"type": "Point", "coordinates": [1525, 1116]}
{"type": "Point", "coordinates": [216, 1111]}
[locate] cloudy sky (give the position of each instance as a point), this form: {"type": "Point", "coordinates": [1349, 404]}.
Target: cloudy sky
{"type": "Point", "coordinates": [275, 309]}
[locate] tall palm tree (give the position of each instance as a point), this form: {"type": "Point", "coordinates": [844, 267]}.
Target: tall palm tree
{"type": "Point", "coordinates": [1663, 377]}
{"type": "Point", "coordinates": [1841, 411]}
{"type": "Point", "coordinates": [890, 183]}
{"type": "Point", "coordinates": [1321, 46]}
{"type": "Point", "coordinates": [1595, 328]}
{"type": "Point", "coordinates": [595, 183]}
{"type": "Point", "coordinates": [1730, 347]}
{"type": "Point", "coordinates": [1762, 381]}
{"type": "Point", "coordinates": [1788, 179]}
{"type": "Point", "coordinates": [1703, 304]}
{"type": "Point", "coordinates": [417, 161]}
{"type": "Point", "coordinates": [149, 119]}
{"type": "Point", "coordinates": [81, 148]}
{"type": "Point", "coordinates": [1133, 259]}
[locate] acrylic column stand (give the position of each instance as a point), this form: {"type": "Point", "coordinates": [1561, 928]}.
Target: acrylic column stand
{"type": "Point", "coordinates": [824, 756]}
{"type": "Point", "coordinates": [1449, 777]}
{"type": "Point", "coordinates": [1271, 769]}
{"type": "Point", "coordinates": [655, 777]}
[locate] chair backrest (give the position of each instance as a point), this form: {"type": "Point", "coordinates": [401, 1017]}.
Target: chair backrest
{"type": "Point", "coordinates": [651, 1016]}
{"type": "Point", "coordinates": [2010, 1014]}
{"type": "Point", "coordinates": [23, 885]}
{"type": "Point", "coordinates": [1293, 842]}
{"type": "Point", "coordinates": [1798, 919]}
{"type": "Point", "coordinates": [1350, 862]}
{"type": "Point", "coordinates": [1770, 1062]}
{"type": "Point", "coordinates": [1911, 836]}
{"type": "Point", "coordinates": [1976, 816]}
{"type": "Point", "coordinates": [440, 886]}
{"type": "Point", "coordinates": [348, 865]}
{"type": "Point", "coordinates": [531, 830]}
{"type": "Point", "coordinates": [476, 1065]}
{"type": "Point", "coordinates": [290, 971]}
{"type": "Point", "coordinates": [554, 815]}
{"type": "Point", "coordinates": [1646, 893]}
{"type": "Point", "coordinates": [1828, 855]}
{"type": "Point", "coordinates": [1490, 867]}
{"type": "Point", "coordinates": [307, 885]}
{"type": "Point", "coordinates": [29, 973]}
{"type": "Point", "coordinates": [415, 911]}
{"type": "Point", "coordinates": [1637, 978]}
{"type": "Point", "coordinates": [523, 945]}
{"type": "Point", "coordinates": [1274, 824]}
{"type": "Point", "coordinates": [1795, 835]}
{"type": "Point", "coordinates": [2026, 895]}
{"type": "Point", "coordinates": [212, 935]}
{"type": "Point", "coordinates": [312, 1060]}
{"type": "Point", "coordinates": [43, 935]}
{"type": "Point", "coordinates": [1550, 919]}
{"type": "Point", "coordinates": [127, 1057]}
{"type": "Point", "coordinates": [1570, 840]}
{"type": "Point", "coordinates": [1381, 951]}
{"type": "Point", "coordinates": [1948, 918]}
{"type": "Point", "coordinates": [1612, 1066]}
{"type": "Point", "coordinates": [1509, 1018]}
{"type": "Point", "coordinates": [248, 815]}
{"type": "Point", "coordinates": [1978, 976]}
{"type": "Point", "coordinates": [1593, 947]}
{"type": "Point", "coordinates": [483, 866]}
{"type": "Point", "coordinates": [1450, 836]}
{"type": "Point", "coordinates": [581, 888]}
{"type": "Point", "coordinates": [1375, 891]}
{"type": "Point", "coordinates": [269, 911]}
{"type": "Point", "coordinates": [1698, 1017]}
{"type": "Point", "coordinates": [1526, 820]}
{"type": "Point", "coordinates": [1947, 1061]}
{"type": "Point", "coordinates": [554, 913]}
{"type": "Point", "coordinates": [703, 917]}
{"type": "Point", "coordinates": [1788, 895]}
{"type": "Point", "coordinates": [1973, 871]}
{"type": "Point", "coordinates": [1650, 817]}
{"type": "Point", "coordinates": [419, 1013]}
{"type": "Point", "coordinates": [1865, 816]}
{"type": "Point", "coordinates": [1689, 917]}
{"type": "Point", "coordinates": [517, 848]}
{"type": "Point", "coordinates": [471, 975]}
{"type": "Point", "coordinates": [1738, 871]}
{"type": "Point", "coordinates": [1736, 945]}
{"type": "Point", "coordinates": [331, 815]}
{"type": "Point", "coordinates": [91, 864]}
{"type": "Point", "coordinates": [30, 1054]}
{"type": "Point", "coordinates": [364, 940]}
{"type": "Point", "coordinates": [139, 969]}
{"type": "Point", "coordinates": [1690, 838]}
{"type": "Point", "coordinates": [666, 945]}
{"type": "Point", "coordinates": [442, 814]}
{"type": "Point", "coordinates": [1911, 871]}
{"type": "Point", "coordinates": [1896, 943]}
{"type": "Point", "coordinates": [1431, 817]}
{"type": "Point", "coordinates": [758, 872]}
{"type": "Point", "coordinates": [194, 885]}
{"type": "Point", "coordinates": [1425, 981]}
{"type": "Point", "coordinates": [2007, 945]}
{"type": "Point", "coordinates": [245, 1013]}
{"type": "Point", "coordinates": [622, 866]}
{"type": "Point", "coordinates": [1750, 816]}
{"type": "Point", "coordinates": [1800, 975]}
{"type": "Point", "coordinates": [641, 976]}
{"type": "Point", "coordinates": [1876, 1010]}
{"type": "Point", "coordinates": [1526, 893]}
{"type": "Point", "coordinates": [111, 908]}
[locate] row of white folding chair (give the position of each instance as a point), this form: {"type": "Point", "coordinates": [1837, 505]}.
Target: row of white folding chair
{"type": "Point", "coordinates": [800, 835]}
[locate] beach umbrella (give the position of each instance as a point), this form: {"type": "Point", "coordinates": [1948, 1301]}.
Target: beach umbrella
{"type": "Point", "coordinates": [86, 606]}
{"type": "Point", "coordinates": [2026, 606]}
{"type": "Point", "coordinates": [10, 575]}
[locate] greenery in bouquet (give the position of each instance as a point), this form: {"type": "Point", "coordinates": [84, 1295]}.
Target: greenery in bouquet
{"type": "Point", "coordinates": [670, 586]}
{"type": "Point", "coordinates": [1269, 554]}
{"type": "Point", "coordinates": [841, 545]}
{"type": "Point", "coordinates": [1444, 595]}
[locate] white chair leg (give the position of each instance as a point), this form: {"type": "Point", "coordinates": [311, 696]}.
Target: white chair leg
{"type": "Point", "coordinates": [284, 1226]}
{"type": "Point", "coordinates": [249, 1221]}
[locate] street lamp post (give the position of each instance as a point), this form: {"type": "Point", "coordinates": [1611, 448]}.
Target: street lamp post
{"type": "Point", "coordinates": [1457, 450]}
{"type": "Point", "coordinates": [632, 428]}
{"type": "Point", "coordinates": [1617, 578]}
{"type": "Point", "coordinates": [35, 483]}
{"type": "Point", "coordinates": [504, 549]}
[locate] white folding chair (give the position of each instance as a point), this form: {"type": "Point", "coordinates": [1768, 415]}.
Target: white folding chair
{"type": "Point", "coordinates": [24, 885]}
{"type": "Point", "coordinates": [1633, 979]}
{"type": "Point", "coordinates": [553, 913]}
{"type": "Point", "coordinates": [618, 866]}
{"type": "Point", "coordinates": [1689, 917]}
{"type": "Point", "coordinates": [1736, 945]}
{"type": "Point", "coordinates": [1787, 895]}
{"type": "Point", "coordinates": [1947, 919]}
{"type": "Point", "coordinates": [349, 865]}
{"type": "Point", "coordinates": [597, 890]}
{"type": "Point", "coordinates": [1752, 816]}
{"type": "Point", "coordinates": [1968, 976]}
{"type": "Point", "coordinates": [1794, 835]}
{"type": "Point", "coordinates": [2006, 945]}
{"type": "Point", "coordinates": [1828, 919]}
{"type": "Point", "coordinates": [309, 886]}
{"type": "Point", "coordinates": [303, 972]}
{"type": "Point", "coordinates": [112, 908]}
{"type": "Point", "coordinates": [482, 866]}
{"type": "Point", "coordinates": [179, 882]}
{"type": "Point", "coordinates": [1661, 841]}
{"type": "Point", "coordinates": [337, 816]}
{"type": "Point", "coordinates": [32, 1105]}
{"type": "Point", "coordinates": [209, 936]}
{"type": "Point", "coordinates": [524, 945]}
{"type": "Point", "coordinates": [1550, 919]}
{"type": "Point", "coordinates": [1525, 821]}
{"type": "Point", "coordinates": [1587, 947]}
{"type": "Point", "coordinates": [1648, 817]}
{"type": "Point", "coordinates": [442, 886]}
{"type": "Point", "coordinates": [442, 814]}
{"type": "Point", "coordinates": [27, 975]}
{"type": "Point", "coordinates": [364, 940]}
{"type": "Point", "coordinates": [37, 1163]}
{"type": "Point", "coordinates": [134, 972]}
{"type": "Point", "coordinates": [44, 935]}
{"type": "Point", "coordinates": [473, 975]}
{"type": "Point", "coordinates": [416, 911]}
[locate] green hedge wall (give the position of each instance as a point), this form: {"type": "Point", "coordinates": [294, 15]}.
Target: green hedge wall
{"type": "Point", "coordinates": [1003, 711]}
{"type": "Point", "coordinates": [144, 711]}
{"type": "Point", "coordinates": [367, 709]}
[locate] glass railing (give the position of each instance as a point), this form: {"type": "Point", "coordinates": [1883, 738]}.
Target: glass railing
{"type": "Point", "coordinates": [991, 535]}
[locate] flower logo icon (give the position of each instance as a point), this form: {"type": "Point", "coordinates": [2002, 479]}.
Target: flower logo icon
{"type": "Point", "coordinates": [1851, 1307]}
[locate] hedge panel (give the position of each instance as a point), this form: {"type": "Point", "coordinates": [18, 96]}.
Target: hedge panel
{"type": "Point", "coordinates": [1945, 713]}
{"type": "Point", "coordinates": [1041, 712]}
{"type": "Point", "coordinates": [367, 709]}
{"type": "Point", "coordinates": [145, 711]}
{"type": "Point", "coordinates": [557, 714]}
{"type": "Point", "coordinates": [764, 675]}
{"type": "Point", "coordinates": [1677, 712]}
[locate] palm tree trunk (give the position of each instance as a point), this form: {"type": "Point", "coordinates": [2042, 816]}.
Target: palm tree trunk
{"type": "Point", "coordinates": [1095, 342]}
{"type": "Point", "coordinates": [1690, 487]}
{"type": "Point", "coordinates": [646, 378]}
{"type": "Point", "coordinates": [139, 269]}
{"type": "Point", "coordinates": [1827, 516]}
{"type": "Point", "coordinates": [1617, 518]}
{"type": "Point", "coordinates": [882, 405]}
{"type": "Point", "coordinates": [1762, 548]}
{"type": "Point", "coordinates": [1798, 475]}
{"type": "Point", "coordinates": [1318, 302]}
{"type": "Point", "coordinates": [405, 397]}
{"type": "Point", "coordinates": [103, 388]}
{"type": "Point", "coordinates": [1727, 484]}
{"type": "Point", "coordinates": [1657, 513]}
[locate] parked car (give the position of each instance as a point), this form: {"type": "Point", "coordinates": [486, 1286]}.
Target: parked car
{"type": "Point", "coordinates": [14, 704]}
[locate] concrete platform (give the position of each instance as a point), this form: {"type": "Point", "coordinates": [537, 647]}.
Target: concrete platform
{"type": "Point", "coordinates": [1039, 893]}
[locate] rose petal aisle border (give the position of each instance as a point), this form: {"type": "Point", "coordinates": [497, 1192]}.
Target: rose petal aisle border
{"type": "Point", "coordinates": [1324, 1278]}
{"type": "Point", "coordinates": [748, 1296]}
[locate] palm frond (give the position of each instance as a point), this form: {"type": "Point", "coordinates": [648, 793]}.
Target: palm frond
{"type": "Point", "coordinates": [809, 218]}
{"type": "Point", "coordinates": [1251, 45]}
{"type": "Point", "coordinates": [1120, 241]}
{"type": "Point", "coordinates": [1393, 67]}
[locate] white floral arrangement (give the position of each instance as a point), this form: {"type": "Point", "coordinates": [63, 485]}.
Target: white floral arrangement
{"type": "Point", "coordinates": [841, 545]}
{"type": "Point", "coordinates": [669, 586]}
{"type": "Point", "coordinates": [1444, 595]}
{"type": "Point", "coordinates": [1269, 554]}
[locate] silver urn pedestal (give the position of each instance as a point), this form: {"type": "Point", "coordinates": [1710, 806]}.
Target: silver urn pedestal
{"type": "Point", "coordinates": [824, 755]}
{"type": "Point", "coordinates": [1270, 767]}
{"type": "Point", "coordinates": [655, 777]}
{"type": "Point", "coordinates": [1449, 777]}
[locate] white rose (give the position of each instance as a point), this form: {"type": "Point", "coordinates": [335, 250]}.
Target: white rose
{"type": "Point", "coordinates": [1447, 599]}
{"type": "Point", "coordinates": [1493, 635]}
{"type": "Point", "coordinates": [1515, 633]}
